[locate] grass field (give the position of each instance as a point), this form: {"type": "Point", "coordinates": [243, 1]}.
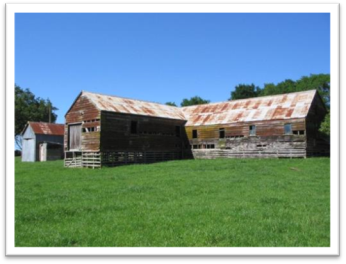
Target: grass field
{"type": "Point", "coordinates": [224, 203]}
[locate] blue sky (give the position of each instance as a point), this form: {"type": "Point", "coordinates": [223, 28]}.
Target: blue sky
{"type": "Point", "coordinates": [164, 57]}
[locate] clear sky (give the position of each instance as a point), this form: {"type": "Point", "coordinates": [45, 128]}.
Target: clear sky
{"type": "Point", "coordinates": [164, 57]}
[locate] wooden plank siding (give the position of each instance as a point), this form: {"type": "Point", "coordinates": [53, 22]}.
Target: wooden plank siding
{"type": "Point", "coordinates": [269, 141]}
{"type": "Point", "coordinates": [84, 112]}
{"type": "Point", "coordinates": [152, 133]}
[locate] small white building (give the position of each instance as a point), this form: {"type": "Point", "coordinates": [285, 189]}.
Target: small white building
{"type": "Point", "coordinates": [42, 141]}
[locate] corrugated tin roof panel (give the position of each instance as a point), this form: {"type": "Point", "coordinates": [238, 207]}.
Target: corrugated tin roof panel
{"type": "Point", "coordinates": [47, 128]}
{"type": "Point", "coordinates": [284, 106]}
{"type": "Point", "coordinates": [131, 106]}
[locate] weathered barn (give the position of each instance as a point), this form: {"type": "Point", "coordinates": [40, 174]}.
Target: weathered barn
{"type": "Point", "coordinates": [109, 130]}
{"type": "Point", "coordinates": [42, 141]}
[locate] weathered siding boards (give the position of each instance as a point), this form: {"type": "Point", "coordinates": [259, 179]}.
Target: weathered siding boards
{"type": "Point", "coordinates": [29, 150]}
{"type": "Point", "coordinates": [82, 109]}
{"type": "Point", "coordinates": [263, 128]}
{"type": "Point", "coordinates": [152, 133]}
{"type": "Point", "coordinates": [28, 145]}
{"type": "Point", "coordinates": [84, 112]}
{"type": "Point", "coordinates": [269, 140]}
{"type": "Point", "coordinates": [273, 153]}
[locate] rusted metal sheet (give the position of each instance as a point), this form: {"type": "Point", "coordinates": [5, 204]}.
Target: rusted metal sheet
{"type": "Point", "coordinates": [131, 106]}
{"type": "Point", "coordinates": [47, 128]}
{"type": "Point", "coordinates": [276, 107]}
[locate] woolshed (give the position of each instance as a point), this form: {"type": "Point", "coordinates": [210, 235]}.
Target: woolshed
{"type": "Point", "coordinates": [109, 130]}
{"type": "Point", "coordinates": [42, 141]}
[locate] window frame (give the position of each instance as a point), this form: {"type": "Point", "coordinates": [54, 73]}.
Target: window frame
{"type": "Point", "coordinates": [134, 127]}
{"type": "Point", "coordinates": [291, 130]}
{"type": "Point", "coordinates": [178, 131]}
{"type": "Point", "coordinates": [194, 133]}
{"type": "Point", "coordinates": [252, 132]}
{"type": "Point", "coordinates": [223, 131]}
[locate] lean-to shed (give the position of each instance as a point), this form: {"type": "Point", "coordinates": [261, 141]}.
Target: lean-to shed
{"type": "Point", "coordinates": [42, 141]}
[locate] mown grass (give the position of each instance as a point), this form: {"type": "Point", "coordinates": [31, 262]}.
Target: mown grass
{"type": "Point", "coordinates": [204, 203]}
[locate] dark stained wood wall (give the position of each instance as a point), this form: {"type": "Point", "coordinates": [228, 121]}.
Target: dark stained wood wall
{"type": "Point", "coordinates": [153, 133]}
{"type": "Point", "coordinates": [83, 111]}
{"type": "Point", "coordinates": [317, 145]}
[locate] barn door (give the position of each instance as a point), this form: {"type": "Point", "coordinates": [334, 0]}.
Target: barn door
{"type": "Point", "coordinates": [74, 136]}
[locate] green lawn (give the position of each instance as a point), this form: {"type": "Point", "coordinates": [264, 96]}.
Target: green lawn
{"type": "Point", "coordinates": [198, 203]}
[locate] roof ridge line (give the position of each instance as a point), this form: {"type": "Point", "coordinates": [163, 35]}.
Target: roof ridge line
{"type": "Point", "coordinates": [250, 98]}
{"type": "Point", "coordinates": [127, 98]}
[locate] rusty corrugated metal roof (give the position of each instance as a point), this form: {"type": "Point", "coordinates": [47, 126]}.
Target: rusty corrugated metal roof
{"type": "Point", "coordinates": [131, 106]}
{"type": "Point", "coordinates": [284, 106]}
{"type": "Point", "coordinates": [47, 128]}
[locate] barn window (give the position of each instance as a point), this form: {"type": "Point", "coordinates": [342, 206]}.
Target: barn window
{"type": "Point", "coordinates": [177, 131]}
{"type": "Point", "coordinates": [89, 129]}
{"type": "Point", "coordinates": [194, 133]}
{"type": "Point", "coordinates": [221, 133]}
{"type": "Point", "coordinates": [133, 127]}
{"type": "Point", "coordinates": [252, 129]}
{"type": "Point", "coordinates": [298, 132]}
{"type": "Point", "coordinates": [288, 129]}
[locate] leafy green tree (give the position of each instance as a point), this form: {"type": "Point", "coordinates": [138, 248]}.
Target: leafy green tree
{"type": "Point", "coordinates": [196, 100]}
{"type": "Point", "coordinates": [267, 89]}
{"type": "Point", "coordinates": [243, 91]}
{"type": "Point", "coordinates": [170, 103]}
{"type": "Point", "coordinates": [325, 125]}
{"type": "Point", "coordinates": [30, 108]}
{"type": "Point", "coordinates": [287, 86]}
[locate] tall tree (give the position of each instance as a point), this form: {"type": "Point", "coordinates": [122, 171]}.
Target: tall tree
{"type": "Point", "coordinates": [325, 125]}
{"type": "Point", "coordinates": [243, 91]}
{"type": "Point", "coordinates": [287, 86]}
{"type": "Point", "coordinates": [196, 100]}
{"type": "Point", "coordinates": [170, 103]}
{"type": "Point", "coordinates": [30, 108]}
